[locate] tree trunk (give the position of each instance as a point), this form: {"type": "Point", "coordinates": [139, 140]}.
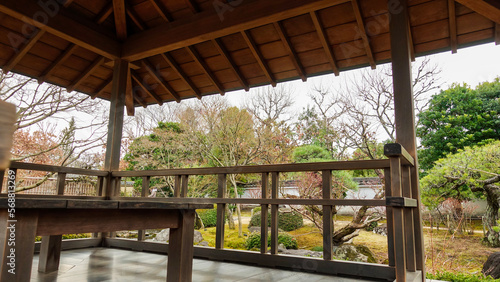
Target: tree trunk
{"type": "Point", "coordinates": [238, 209]}
{"type": "Point", "coordinates": [492, 207]}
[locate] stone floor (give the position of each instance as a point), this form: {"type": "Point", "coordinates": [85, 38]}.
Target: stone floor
{"type": "Point", "coordinates": [106, 264]}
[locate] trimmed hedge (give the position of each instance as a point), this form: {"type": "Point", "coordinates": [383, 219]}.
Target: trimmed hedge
{"type": "Point", "coordinates": [253, 241]}
{"type": "Point", "coordinates": [287, 221]}
{"type": "Point", "coordinates": [209, 217]}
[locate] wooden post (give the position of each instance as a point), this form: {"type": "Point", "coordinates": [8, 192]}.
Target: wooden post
{"type": "Point", "coordinates": [274, 213]}
{"type": "Point", "coordinates": [50, 250]}
{"type": "Point", "coordinates": [184, 186]}
{"type": "Point", "coordinates": [390, 221]}
{"type": "Point", "coordinates": [177, 186]}
{"type": "Point", "coordinates": [397, 213]}
{"type": "Point", "coordinates": [100, 186]}
{"type": "Point", "coordinates": [327, 216]}
{"type": "Point", "coordinates": [408, 221]}
{"type": "Point", "coordinates": [2, 175]}
{"type": "Point", "coordinates": [115, 126]}
{"type": "Point", "coordinates": [404, 108]}
{"type": "Point", "coordinates": [263, 215]}
{"type": "Point", "coordinates": [141, 234]}
{"type": "Point", "coordinates": [180, 252]}
{"type": "Point", "coordinates": [221, 209]}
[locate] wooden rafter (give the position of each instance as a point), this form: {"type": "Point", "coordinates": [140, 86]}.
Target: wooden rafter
{"type": "Point", "coordinates": [78, 31]}
{"type": "Point", "coordinates": [119, 11]}
{"type": "Point", "coordinates": [86, 73]}
{"type": "Point", "coordinates": [160, 80]}
{"type": "Point", "coordinates": [193, 6]}
{"type": "Point", "coordinates": [135, 17]}
{"type": "Point", "coordinates": [258, 56]}
{"type": "Point", "coordinates": [497, 34]}
{"type": "Point", "coordinates": [104, 13]}
{"type": "Point", "coordinates": [102, 87]}
{"type": "Point", "coordinates": [362, 32]}
{"type": "Point", "coordinates": [453, 25]}
{"type": "Point", "coordinates": [324, 41]}
{"type": "Point", "coordinates": [288, 46]}
{"type": "Point", "coordinates": [206, 69]}
{"type": "Point", "coordinates": [140, 101]}
{"type": "Point", "coordinates": [161, 10]}
{"type": "Point", "coordinates": [64, 55]}
{"type": "Point", "coordinates": [168, 58]}
{"type": "Point", "coordinates": [14, 60]}
{"type": "Point", "coordinates": [207, 25]}
{"type": "Point", "coordinates": [137, 80]}
{"type": "Point", "coordinates": [67, 3]}
{"type": "Point", "coordinates": [483, 8]}
{"type": "Point", "coordinates": [225, 54]}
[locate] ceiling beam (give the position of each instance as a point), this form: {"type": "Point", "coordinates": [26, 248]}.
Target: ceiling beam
{"type": "Point", "coordinates": [288, 46]}
{"type": "Point", "coordinates": [225, 54]}
{"type": "Point", "coordinates": [207, 25]}
{"type": "Point", "coordinates": [135, 17]}
{"type": "Point", "coordinates": [63, 25]}
{"type": "Point", "coordinates": [497, 34]}
{"type": "Point", "coordinates": [483, 8]}
{"type": "Point", "coordinates": [193, 6]}
{"type": "Point", "coordinates": [137, 80]}
{"type": "Point", "coordinates": [119, 11]}
{"type": "Point", "coordinates": [362, 33]}
{"type": "Point", "coordinates": [160, 80]}
{"type": "Point", "coordinates": [203, 65]}
{"type": "Point", "coordinates": [258, 56]}
{"type": "Point", "coordinates": [140, 101]}
{"type": "Point", "coordinates": [178, 70]}
{"type": "Point", "coordinates": [67, 3]}
{"type": "Point", "coordinates": [324, 41]}
{"type": "Point", "coordinates": [86, 73]}
{"type": "Point", "coordinates": [17, 57]}
{"type": "Point", "coordinates": [129, 97]}
{"type": "Point", "coordinates": [161, 10]}
{"type": "Point", "coordinates": [104, 13]}
{"type": "Point", "coordinates": [55, 63]}
{"type": "Point", "coordinates": [102, 87]}
{"type": "Point", "coordinates": [452, 18]}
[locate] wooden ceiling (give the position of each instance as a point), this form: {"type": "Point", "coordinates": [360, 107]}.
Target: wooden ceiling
{"type": "Point", "coordinates": [181, 49]}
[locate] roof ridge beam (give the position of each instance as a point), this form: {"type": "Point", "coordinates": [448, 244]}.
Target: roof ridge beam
{"type": "Point", "coordinates": [160, 80]}
{"type": "Point", "coordinates": [60, 24]}
{"type": "Point", "coordinates": [362, 33]}
{"type": "Point", "coordinates": [483, 8]}
{"type": "Point", "coordinates": [120, 13]}
{"type": "Point", "coordinates": [14, 60]}
{"type": "Point", "coordinates": [324, 41]}
{"type": "Point", "coordinates": [288, 46]}
{"type": "Point", "coordinates": [203, 65]}
{"type": "Point", "coordinates": [173, 64]}
{"type": "Point", "coordinates": [225, 54]}
{"type": "Point", "coordinates": [258, 56]}
{"type": "Point", "coordinates": [207, 25]}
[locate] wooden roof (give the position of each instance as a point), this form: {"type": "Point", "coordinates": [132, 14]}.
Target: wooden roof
{"type": "Point", "coordinates": [180, 49]}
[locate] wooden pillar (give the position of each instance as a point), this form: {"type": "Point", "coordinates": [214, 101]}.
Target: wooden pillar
{"type": "Point", "coordinates": [221, 210]}
{"type": "Point", "coordinates": [327, 216]}
{"type": "Point", "coordinates": [180, 249]}
{"type": "Point", "coordinates": [50, 249]}
{"type": "Point", "coordinates": [274, 213]}
{"type": "Point", "coordinates": [404, 107]}
{"type": "Point", "coordinates": [141, 234]}
{"type": "Point", "coordinates": [263, 215]}
{"type": "Point", "coordinates": [398, 220]}
{"type": "Point", "coordinates": [390, 221]}
{"type": "Point", "coordinates": [115, 126]}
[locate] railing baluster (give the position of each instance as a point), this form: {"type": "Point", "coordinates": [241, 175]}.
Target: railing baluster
{"type": "Point", "coordinates": [177, 186]}
{"type": "Point", "coordinates": [274, 213]}
{"type": "Point", "coordinates": [327, 216]}
{"type": "Point", "coordinates": [61, 183]}
{"type": "Point", "coordinates": [408, 221]}
{"type": "Point", "coordinates": [390, 221]}
{"type": "Point", "coordinates": [221, 193]}
{"type": "Point", "coordinates": [263, 215]}
{"type": "Point", "coordinates": [399, 232]}
{"type": "Point", "coordinates": [2, 175]}
{"type": "Point", "coordinates": [100, 185]}
{"type": "Point", "coordinates": [184, 186]}
{"type": "Point", "coordinates": [141, 234]}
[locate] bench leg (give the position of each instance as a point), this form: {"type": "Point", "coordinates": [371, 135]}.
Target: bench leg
{"type": "Point", "coordinates": [180, 252]}
{"type": "Point", "coordinates": [17, 245]}
{"type": "Point", "coordinates": [50, 253]}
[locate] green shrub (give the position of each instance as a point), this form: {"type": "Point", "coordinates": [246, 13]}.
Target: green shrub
{"type": "Point", "coordinates": [253, 241]}
{"type": "Point", "coordinates": [317, 249]}
{"type": "Point", "coordinates": [459, 277]}
{"type": "Point", "coordinates": [287, 221]}
{"type": "Point", "coordinates": [371, 226]}
{"type": "Point", "coordinates": [209, 217]}
{"type": "Point", "coordinates": [256, 209]}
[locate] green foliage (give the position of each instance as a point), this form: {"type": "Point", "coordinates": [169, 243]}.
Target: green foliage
{"type": "Point", "coordinates": [317, 249]}
{"type": "Point", "coordinates": [371, 226]}
{"type": "Point", "coordinates": [209, 217]}
{"type": "Point", "coordinates": [287, 221]}
{"type": "Point", "coordinates": [310, 153]}
{"type": "Point", "coordinates": [253, 241]}
{"type": "Point", "coordinates": [457, 118]}
{"type": "Point", "coordinates": [68, 236]}
{"type": "Point", "coordinates": [256, 209]}
{"type": "Point", "coordinates": [459, 277]}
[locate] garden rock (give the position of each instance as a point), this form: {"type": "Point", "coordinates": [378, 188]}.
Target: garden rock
{"type": "Point", "coordinates": [354, 253]}
{"type": "Point", "coordinates": [203, 243]}
{"type": "Point", "coordinates": [381, 229]}
{"type": "Point", "coordinates": [492, 266]}
{"type": "Point", "coordinates": [163, 236]}
{"type": "Point", "coordinates": [281, 248]}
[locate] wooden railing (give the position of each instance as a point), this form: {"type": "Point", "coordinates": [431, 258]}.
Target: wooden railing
{"type": "Point", "coordinates": [401, 201]}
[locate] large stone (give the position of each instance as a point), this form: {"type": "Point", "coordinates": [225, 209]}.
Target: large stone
{"type": "Point", "coordinates": [163, 236]}
{"type": "Point", "coordinates": [381, 229]}
{"type": "Point", "coordinates": [354, 253]}
{"type": "Point", "coordinates": [492, 266]}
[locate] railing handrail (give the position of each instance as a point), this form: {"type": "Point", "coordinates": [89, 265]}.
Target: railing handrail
{"type": "Point", "coordinates": [58, 169]}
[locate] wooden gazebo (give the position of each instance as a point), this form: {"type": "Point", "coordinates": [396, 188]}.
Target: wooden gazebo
{"type": "Point", "coordinates": [142, 52]}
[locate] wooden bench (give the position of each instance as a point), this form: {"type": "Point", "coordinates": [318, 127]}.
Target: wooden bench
{"type": "Point", "coordinates": [52, 217]}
